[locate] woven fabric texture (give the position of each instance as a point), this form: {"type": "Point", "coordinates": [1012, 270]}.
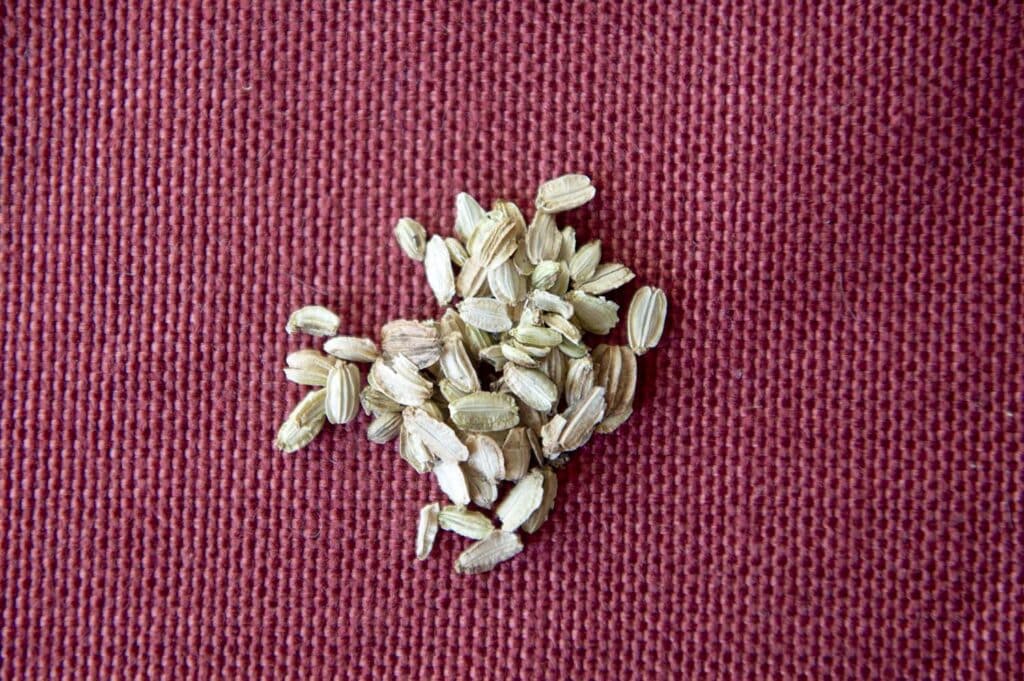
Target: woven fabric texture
{"type": "Point", "coordinates": [822, 477]}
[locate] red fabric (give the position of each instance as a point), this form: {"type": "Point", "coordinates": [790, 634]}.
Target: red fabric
{"type": "Point", "coordinates": [823, 473]}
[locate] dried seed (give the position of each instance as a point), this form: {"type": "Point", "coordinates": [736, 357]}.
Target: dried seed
{"type": "Point", "coordinates": [561, 284]}
{"type": "Point", "coordinates": [594, 313]}
{"type": "Point", "coordinates": [545, 274]}
{"type": "Point", "coordinates": [438, 265]}
{"type": "Point", "coordinates": [309, 359]}
{"type": "Point", "coordinates": [510, 211]}
{"type": "Point", "coordinates": [507, 284]}
{"type": "Point", "coordinates": [384, 428]}
{"type": "Point", "coordinates": [543, 242]}
{"type": "Point", "coordinates": [313, 376]}
{"type": "Point", "coordinates": [352, 348]}
{"type": "Point", "coordinates": [375, 402]}
{"type": "Point", "coordinates": [485, 554]}
{"type": "Point", "coordinates": [457, 367]}
{"type": "Point", "coordinates": [615, 371]}
{"type": "Point", "coordinates": [456, 251]}
{"type": "Point", "coordinates": [573, 350]}
{"type": "Point", "coordinates": [551, 435]}
{"type": "Point", "coordinates": [538, 517]}
{"type": "Point", "coordinates": [314, 320]}
{"type": "Point", "coordinates": [486, 314]}
{"type": "Point", "coordinates": [555, 366]}
{"type": "Point", "coordinates": [530, 417]}
{"type": "Point", "coordinates": [468, 213]}
{"type": "Point", "coordinates": [411, 237]}
{"type": "Point", "coordinates": [531, 386]}
{"type": "Point", "coordinates": [304, 423]}
{"type": "Point", "coordinates": [466, 523]}
{"type": "Point", "coordinates": [452, 481]}
{"type": "Point", "coordinates": [532, 350]}
{"type": "Point", "coordinates": [549, 302]}
{"type": "Point", "coordinates": [471, 279]}
{"type": "Point", "coordinates": [581, 419]}
{"type": "Point", "coordinates": [579, 380]}
{"type": "Point", "coordinates": [564, 193]}
{"type": "Point", "coordinates": [436, 436]}
{"type": "Point", "coordinates": [521, 501]}
{"type": "Point", "coordinates": [517, 355]}
{"type": "Point", "coordinates": [426, 530]}
{"type": "Point", "coordinates": [475, 340]}
{"type": "Point", "coordinates": [646, 319]}
{"type": "Point", "coordinates": [537, 336]}
{"type": "Point", "coordinates": [433, 410]}
{"type": "Point", "coordinates": [400, 380]}
{"type": "Point", "coordinates": [495, 239]}
{"type": "Point", "coordinates": [568, 244]}
{"type": "Point", "coordinates": [585, 261]}
{"type": "Point", "coordinates": [482, 490]}
{"type": "Point", "coordinates": [415, 453]}
{"type": "Point", "coordinates": [608, 277]}
{"type": "Point", "coordinates": [563, 326]}
{"type": "Point", "coordinates": [420, 342]}
{"type": "Point", "coordinates": [516, 452]}
{"type": "Point", "coordinates": [484, 411]}
{"type": "Point", "coordinates": [520, 260]}
{"type": "Point", "coordinates": [485, 456]}
{"type": "Point", "coordinates": [494, 356]}
{"type": "Point", "coordinates": [341, 403]}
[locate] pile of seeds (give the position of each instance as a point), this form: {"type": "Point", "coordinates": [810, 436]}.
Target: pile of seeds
{"type": "Point", "coordinates": [493, 396]}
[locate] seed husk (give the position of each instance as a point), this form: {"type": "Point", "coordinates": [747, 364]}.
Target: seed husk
{"type": "Point", "coordinates": [341, 402]}
{"type": "Point", "coordinates": [307, 376]}
{"type": "Point", "coordinates": [563, 326]}
{"type": "Point", "coordinates": [521, 501]}
{"type": "Point", "coordinates": [551, 436]}
{"type": "Point", "coordinates": [486, 314]}
{"type": "Point", "coordinates": [438, 266]}
{"type": "Point", "coordinates": [579, 380]}
{"type": "Point", "coordinates": [646, 319]}
{"type": "Point", "coordinates": [456, 251]}
{"type": "Point", "coordinates": [485, 456]}
{"type": "Point", "coordinates": [426, 530]}
{"type": "Point", "coordinates": [564, 193]}
{"type": "Point", "coordinates": [549, 302]}
{"type": "Point", "coordinates": [413, 451]}
{"type": "Point", "coordinates": [313, 320]}
{"type": "Point", "coordinates": [507, 285]}
{"type": "Point", "coordinates": [495, 239]}
{"type": "Point", "coordinates": [375, 402]}
{"type": "Point", "coordinates": [352, 348]}
{"type": "Point", "coordinates": [420, 342]}
{"type": "Point", "coordinates": [411, 237]}
{"type": "Point", "coordinates": [457, 366]}
{"type": "Point", "coordinates": [615, 371]}
{"type": "Point", "coordinates": [466, 523]}
{"type": "Point", "coordinates": [437, 436]}
{"type": "Point", "coordinates": [484, 412]}
{"type": "Point", "coordinates": [471, 279]}
{"type": "Point", "coordinates": [484, 555]}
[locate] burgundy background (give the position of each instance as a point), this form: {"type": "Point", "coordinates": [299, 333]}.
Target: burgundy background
{"type": "Point", "coordinates": [824, 479]}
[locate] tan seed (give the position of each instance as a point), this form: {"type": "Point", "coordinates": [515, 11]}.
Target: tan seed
{"type": "Point", "coordinates": [468, 213]}
{"type": "Point", "coordinates": [466, 523]}
{"type": "Point", "coordinates": [420, 342]}
{"type": "Point", "coordinates": [594, 313]}
{"type": "Point", "coordinates": [531, 386]}
{"type": "Point", "coordinates": [486, 314]}
{"type": "Point", "coordinates": [516, 452]}
{"type": "Point", "coordinates": [581, 419]}
{"type": "Point", "coordinates": [452, 481]}
{"type": "Point", "coordinates": [484, 412]}
{"type": "Point", "coordinates": [485, 554]}
{"type": "Point", "coordinates": [411, 237]}
{"type": "Point", "coordinates": [413, 451]}
{"type": "Point", "coordinates": [456, 251]}
{"type": "Point", "coordinates": [341, 403]}
{"type": "Point", "coordinates": [543, 242]}
{"type": "Point", "coordinates": [537, 518]}
{"type": "Point", "coordinates": [521, 501]}
{"type": "Point", "coordinates": [585, 261]}
{"type": "Point", "coordinates": [436, 436]}
{"type": "Point", "coordinates": [352, 348]}
{"type": "Point", "coordinates": [314, 320]}
{"type": "Point", "coordinates": [384, 428]}
{"type": "Point", "coordinates": [438, 266]}
{"type": "Point", "coordinates": [426, 530]}
{"type": "Point", "coordinates": [608, 277]}
{"type": "Point", "coordinates": [564, 193]}
{"type": "Point", "coordinates": [646, 319]}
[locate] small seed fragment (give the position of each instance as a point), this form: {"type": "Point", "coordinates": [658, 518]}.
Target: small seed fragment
{"type": "Point", "coordinates": [646, 319]}
{"type": "Point", "coordinates": [314, 320]}
{"type": "Point", "coordinates": [426, 530]}
{"type": "Point", "coordinates": [521, 501]}
{"type": "Point", "coordinates": [485, 554]}
{"type": "Point", "coordinates": [411, 237]}
{"type": "Point", "coordinates": [466, 523]}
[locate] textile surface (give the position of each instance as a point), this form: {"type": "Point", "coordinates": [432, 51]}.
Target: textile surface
{"type": "Point", "coordinates": [822, 477]}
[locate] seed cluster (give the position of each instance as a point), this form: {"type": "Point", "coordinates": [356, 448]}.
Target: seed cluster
{"type": "Point", "coordinates": [491, 397]}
